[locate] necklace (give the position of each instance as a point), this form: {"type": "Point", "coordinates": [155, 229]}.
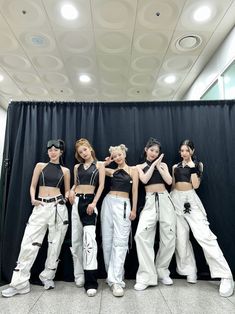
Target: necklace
{"type": "Point", "coordinates": [86, 166]}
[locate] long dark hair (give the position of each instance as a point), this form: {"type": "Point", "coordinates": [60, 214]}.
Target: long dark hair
{"type": "Point", "coordinates": [60, 144]}
{"type": "Point", "coordinates": [152, 142]}
{"type": "Point", "coordinates": [190, 145]}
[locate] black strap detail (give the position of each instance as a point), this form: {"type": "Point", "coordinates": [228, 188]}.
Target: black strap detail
{"type": "Point", "coordinates": [37, 244]}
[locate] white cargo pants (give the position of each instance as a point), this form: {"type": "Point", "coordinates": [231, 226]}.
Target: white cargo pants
{"type": "Point", "coordinates": [158, 207]}
{"type": "Point", "coordinates": [196, 219]}
{"type": "Point", "coordinates": [42, 218]}
{"type": "Point", "coordinates": [116, 226]}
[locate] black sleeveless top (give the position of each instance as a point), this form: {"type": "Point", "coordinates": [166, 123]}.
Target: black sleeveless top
{"type": "Point", "coordinates": [121, 181]}
{"type": "Point", "coordinates": [156, 177]}
{"type": "Point", "coordinates": [51, 175]}
{"type": "Point", "coordinates": [88, 176]}
{"type": "Point", "coordinates": [183, 174]}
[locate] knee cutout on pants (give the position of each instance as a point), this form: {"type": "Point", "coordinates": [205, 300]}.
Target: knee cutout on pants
{"type": "Point", "coordinates": [36, 244]}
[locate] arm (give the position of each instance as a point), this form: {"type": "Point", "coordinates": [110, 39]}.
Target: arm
{"type": "Point", "coordinates": [90, 208]}
{"type": "Point", "coordinates": [135, 182]}
{"type": "Point", "coordinates": [173, 177]}
{"type": "Point", "coordinates": [34, 182]}
{"type": "Point", "coordinates": [195, 179]}
{"type": "Point", "coordinates": [66, 182]}
{"type": "Point", "coordinates": [72, 191]}
{"type": "Point", "coordinates": [164, 172]}
{"type": "Point", "coordinates": [108, 171]}
{"type": "Point", "coordinates": [145, 177]}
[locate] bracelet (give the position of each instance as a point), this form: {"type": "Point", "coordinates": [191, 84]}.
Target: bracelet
{"type": "Point", "coordinates": [193, 170]}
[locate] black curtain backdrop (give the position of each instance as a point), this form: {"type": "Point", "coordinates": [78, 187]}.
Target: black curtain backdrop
{"type": "Point", "coordinates": [209, 124]}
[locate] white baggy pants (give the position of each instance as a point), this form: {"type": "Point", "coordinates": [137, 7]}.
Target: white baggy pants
{"type": "Point", "coordinates": [158, 207]}
{"type": "Point", "coordinates": [84, 246]}
{"type": "Point", "coordinates": [196, 219]}
{"type": "Point", "coordinates": [42, 218]}
{"type": "Point", "coordinates": [116, 226]}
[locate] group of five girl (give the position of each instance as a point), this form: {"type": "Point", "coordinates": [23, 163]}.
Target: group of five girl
{"type": "Point", "coordinates": [176, 212]}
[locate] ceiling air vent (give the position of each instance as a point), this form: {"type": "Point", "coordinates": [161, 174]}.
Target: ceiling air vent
{"type": "Point", "coordinates": [189, 42]}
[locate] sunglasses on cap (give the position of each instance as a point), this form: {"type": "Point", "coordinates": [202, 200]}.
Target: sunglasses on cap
{"type": "Point", "coordinates": [55, 143]}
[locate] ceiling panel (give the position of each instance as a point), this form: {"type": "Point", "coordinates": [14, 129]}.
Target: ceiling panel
{"type": "Point", "coordinates": [128, 48]}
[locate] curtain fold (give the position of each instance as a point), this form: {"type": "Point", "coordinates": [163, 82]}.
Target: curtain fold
{"type": "Point", "coordinates": [209, 124]}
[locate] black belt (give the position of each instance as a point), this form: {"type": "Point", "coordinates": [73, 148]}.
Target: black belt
{"type": "Point", "coordinates": [84, 195]}
{"type": "Point", "coordinates": [50, 200]}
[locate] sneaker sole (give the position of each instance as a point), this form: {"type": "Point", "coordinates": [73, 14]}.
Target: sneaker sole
{"type": "Point", "coordinates": [118, 294]}
{"type": "Point", "coordinates": [167, 284]}
{"type": "Point", "coordinates": [18, 292]}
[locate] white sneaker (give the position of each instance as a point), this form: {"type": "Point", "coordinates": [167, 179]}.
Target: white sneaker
{"type": "Point", "coordinates": [140, 286]}
{"type": "Point", "coordinates": [117, 290]}
{"type": "Point", "coordinates": [48, 283]}
{"type": "Point", "coordinates": [192, 278]}
{"type": "Point", "coordinates": [226, 287]}
{"type": "Point", "coordinates": [11, 291]}
{"type": "Point", "coordinates": [80, 282]}
{"type": "Point", "coordinates": [91, 292]}
{"type": "Point", "coordinates": [167, 281]}
{"type": "Point", "coordinates": [122, 284]}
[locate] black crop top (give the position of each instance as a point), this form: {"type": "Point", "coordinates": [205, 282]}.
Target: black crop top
{"type": "Point", "coordinates": [88, 176]}
{"type": "Point", "coordinates": [183, 174]}
{"type": "Point", "coordinates": [121, 181]}
{"type": "Point", "coordinates": [51, 175]}
{"type": "Point", "coordinates": [156, 177]}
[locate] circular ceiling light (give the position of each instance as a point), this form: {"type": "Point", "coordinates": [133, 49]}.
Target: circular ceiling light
{"type": "Point", "coordinates": [1, 77]}
{"type": "Point", "coordinates": [170, 79]}
{"type": "Point", "coordinates": [69, 12]}
{"type": "Point", "coordinates": [202, 14]}
{"type": "Point", "coordinates": [84, 78]}
{"type": "Point", "coordinates": [188, 42]}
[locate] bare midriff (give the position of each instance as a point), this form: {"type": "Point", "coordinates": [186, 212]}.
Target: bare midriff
{"type": "Point", "coordinates": [119, 194]}
{"type": "Point", "coordinates": [183, 186]}
{"type": "Point", "coordinates": [158, 187]}
{"type": "Point", "coordinates": [45, 191]}
{"type": "Point", "coordinates": [85, 189]}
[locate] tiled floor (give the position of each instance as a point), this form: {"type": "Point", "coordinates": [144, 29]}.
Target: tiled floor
{"type": "Point", "coordinates": [201, 298]}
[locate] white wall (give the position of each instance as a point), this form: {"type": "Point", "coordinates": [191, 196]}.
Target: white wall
{"type": "Point", "coordinates": [3, 120]}
{"type": "Point", "coordinates": [218, 63]}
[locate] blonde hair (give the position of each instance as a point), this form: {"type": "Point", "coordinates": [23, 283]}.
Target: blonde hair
{"type": "Point", "coordinates": [121, 147]}
{"type": "Point", "coordinates": [83, 142]}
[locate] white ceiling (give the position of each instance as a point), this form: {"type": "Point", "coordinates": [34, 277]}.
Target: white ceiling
{"type": "Point", "coordinates": [125, 46]}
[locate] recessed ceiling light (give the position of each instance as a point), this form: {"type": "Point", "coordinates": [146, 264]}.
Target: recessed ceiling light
{"type": "Point", "coordinates": [1, 77]}
{"type": "Point", "coordinates": [69, 12]}
{"type": "Point", "coordinates": [202, 14]}
{"type": "Point", "coordinates": [170, 79]}
{"type": "Point", "coordinates": [84, 78]}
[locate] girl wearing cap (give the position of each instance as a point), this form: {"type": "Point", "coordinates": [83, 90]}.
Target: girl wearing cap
{"type": "Point", "coordinates": [89, 175]}
{"type": "Point", "coordinates": [192, 215]}
{"type": "Point", "coordinates": [50, 213]}
{"type": "Point", "coordinates": [116, 216]}
{"type": "Point", "coordinates": [154, 174]}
